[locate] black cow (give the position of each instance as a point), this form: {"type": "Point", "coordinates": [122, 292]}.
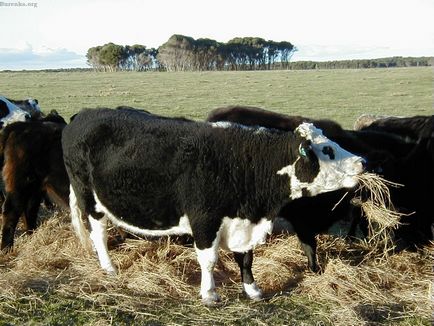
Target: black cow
{"type": "Point", "coordinates": [366, 143]}
{"type": "Point", "coordinates": [250, 116]}
{"type": "Point", "coordinates": [224, 186]}
{"type": "Point", "coordinates": [32, 160]}
{"type": "Point", "coordinates": [406, 127]}
{"type": "Point", "coordinates": [416, 172]}
{"type": "Point", "coordinates": [310, 216]}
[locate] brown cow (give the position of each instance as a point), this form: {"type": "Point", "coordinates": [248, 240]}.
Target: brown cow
{"type": "Point", "coordinates": [32, 158]}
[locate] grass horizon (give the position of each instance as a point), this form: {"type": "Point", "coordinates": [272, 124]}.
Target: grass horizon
{"type": "Point", "coordinates": [341, 95]}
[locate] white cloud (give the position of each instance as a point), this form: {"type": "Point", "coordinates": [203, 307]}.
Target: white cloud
{"type": "Point", "coordinates": [43, 58]}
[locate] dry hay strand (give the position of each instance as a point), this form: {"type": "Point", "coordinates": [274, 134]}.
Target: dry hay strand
{"type": "Point", "coordinates": [154, 272]}
{"type": "Point", "coordinates": [279, 265]}
{"type": "Point", "coordinates": [373, 196]}
{"type": "Point", "coordinates": [376, 290]}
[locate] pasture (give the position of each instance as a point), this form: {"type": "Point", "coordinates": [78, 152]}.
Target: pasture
{"type": "Point", "coordinates": [49, 279]}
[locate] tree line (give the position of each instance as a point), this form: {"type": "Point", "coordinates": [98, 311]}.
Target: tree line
{"type": "Point", "coordinates": [113, 57]}
{"type": "Point", "coordinates": [364, 63]}
{"type": "Point", "coordinates": [184, 53]}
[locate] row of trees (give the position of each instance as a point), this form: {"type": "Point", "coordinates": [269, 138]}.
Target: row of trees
{"type": "Point", "coordinates": [183, 53]}
{"type": "Point", "coordinates": [113, 57]}
{"type": "Point", "coordinates": [365, 63]}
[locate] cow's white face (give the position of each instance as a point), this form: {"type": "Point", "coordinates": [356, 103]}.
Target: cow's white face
{"type": "Point", "coordinates": [322, 165]}
{"type": "Point", "coordinates": [10, 113]}
{"type": "Point", "coordinates": [34, 104]}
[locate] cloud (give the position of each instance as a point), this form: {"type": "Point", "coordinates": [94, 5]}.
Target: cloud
{"type": "Point", "coordinates": [44, 58]}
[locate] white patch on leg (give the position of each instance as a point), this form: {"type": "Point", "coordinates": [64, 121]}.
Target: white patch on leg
{"type": "Point", "coordinates": [253, 291]}
{"type": "Point", "coordinates": [77, 221]}
{"type": "Point", "coordinates": [99, 239]}
{"type": "Point", "coordinates": [207, 259]}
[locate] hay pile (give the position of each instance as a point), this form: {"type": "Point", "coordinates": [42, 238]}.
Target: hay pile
{"type": "Point", "coordinates": [373, 196]}
{"type": "Point", "coordinates": [359, 284]}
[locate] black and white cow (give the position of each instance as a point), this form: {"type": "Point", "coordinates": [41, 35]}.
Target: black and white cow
{"type": "Point", "coordinates": [158, 176]}
{"type": "Point", "coordinates": [29, 105]}
{"type": "Point", "coordinates": [10, 112]}
{"type": "Point", "coordinates": [310, 216]}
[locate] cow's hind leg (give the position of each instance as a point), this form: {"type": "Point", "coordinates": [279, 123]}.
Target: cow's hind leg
{"type": "Point", "coordinates": [98, 235]}
{"type": "Point", "coordinates": [207, 258]}
{"type": "Point", "coordinates": [32, 209]}
{"type": "Point", "coordinates": [77, 220]}
{"type": "Point", "coordinates": [98, 227]}
{"type": "Point", "coordinates": [245, 261]}
{"type": "Point", "coordinates": [12, 210]}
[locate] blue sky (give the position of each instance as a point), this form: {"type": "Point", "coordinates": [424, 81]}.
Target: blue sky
{"type": "Point", "coordinates": [57, 33]}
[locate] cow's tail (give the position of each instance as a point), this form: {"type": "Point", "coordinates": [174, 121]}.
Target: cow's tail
{"type": "Point", "coordinates": [77, 220]}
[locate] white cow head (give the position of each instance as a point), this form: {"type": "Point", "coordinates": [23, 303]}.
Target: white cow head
{"type": "Point", "coordinates": [321, 165]}
{"type": "Point", "coordinates": [10, 113]}
{"type": "Point", "coordinates": [34, 104]}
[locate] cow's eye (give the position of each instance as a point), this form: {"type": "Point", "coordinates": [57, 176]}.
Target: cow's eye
{"type": "Point", "coordinates": [327, 150]}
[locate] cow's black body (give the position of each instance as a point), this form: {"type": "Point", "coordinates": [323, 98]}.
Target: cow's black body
{"type": "Point", "coordinates": [416, 172]}
{"type": "Point", "coordinates": [129, 158]}
{"type": "Point", "coordinates": [407, 127]}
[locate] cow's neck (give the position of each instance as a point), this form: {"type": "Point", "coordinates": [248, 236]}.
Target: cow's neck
{"type": "Point", "coordinates": [254, 163]}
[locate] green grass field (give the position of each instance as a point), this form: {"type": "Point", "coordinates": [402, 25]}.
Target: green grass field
{"type": "Point", "coordinates": [48, 280]}
{"type": "Point", "coordinates": [342, 95]}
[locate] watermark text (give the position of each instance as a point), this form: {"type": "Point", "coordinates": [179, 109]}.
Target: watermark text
{"type": "Point", "coordinates": [18, 4]}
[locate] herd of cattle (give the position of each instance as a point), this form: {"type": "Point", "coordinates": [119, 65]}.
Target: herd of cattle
{"type": "Point", "coordinates": [224, 180]}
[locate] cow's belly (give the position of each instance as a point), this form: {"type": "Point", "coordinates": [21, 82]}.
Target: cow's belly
{"type": "Point", "coordinates": [241, 235]}
{"type": "Point", "coordinates": [176, 227]}
{"type": "Point", "coordinates": [236, 234]}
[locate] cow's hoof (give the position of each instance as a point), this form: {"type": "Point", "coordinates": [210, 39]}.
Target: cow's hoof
{"type": "Point", "coordinates": [111, 270]}
{"type": "Point", "coordinates": [315, 269]}
{"type": "Point", "coordinates": [253, 291]}
{"type": "Point", "coordinates": [211, 300]}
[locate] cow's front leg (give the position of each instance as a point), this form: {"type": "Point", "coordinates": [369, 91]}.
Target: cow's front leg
{"type": "Point", "coordinates": [207, 258]}
{"type": "Point", "coordinates": [245, 261]}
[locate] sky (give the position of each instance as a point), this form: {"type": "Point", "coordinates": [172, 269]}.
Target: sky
{"type": "Point", "coordinates": [43, 34]}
